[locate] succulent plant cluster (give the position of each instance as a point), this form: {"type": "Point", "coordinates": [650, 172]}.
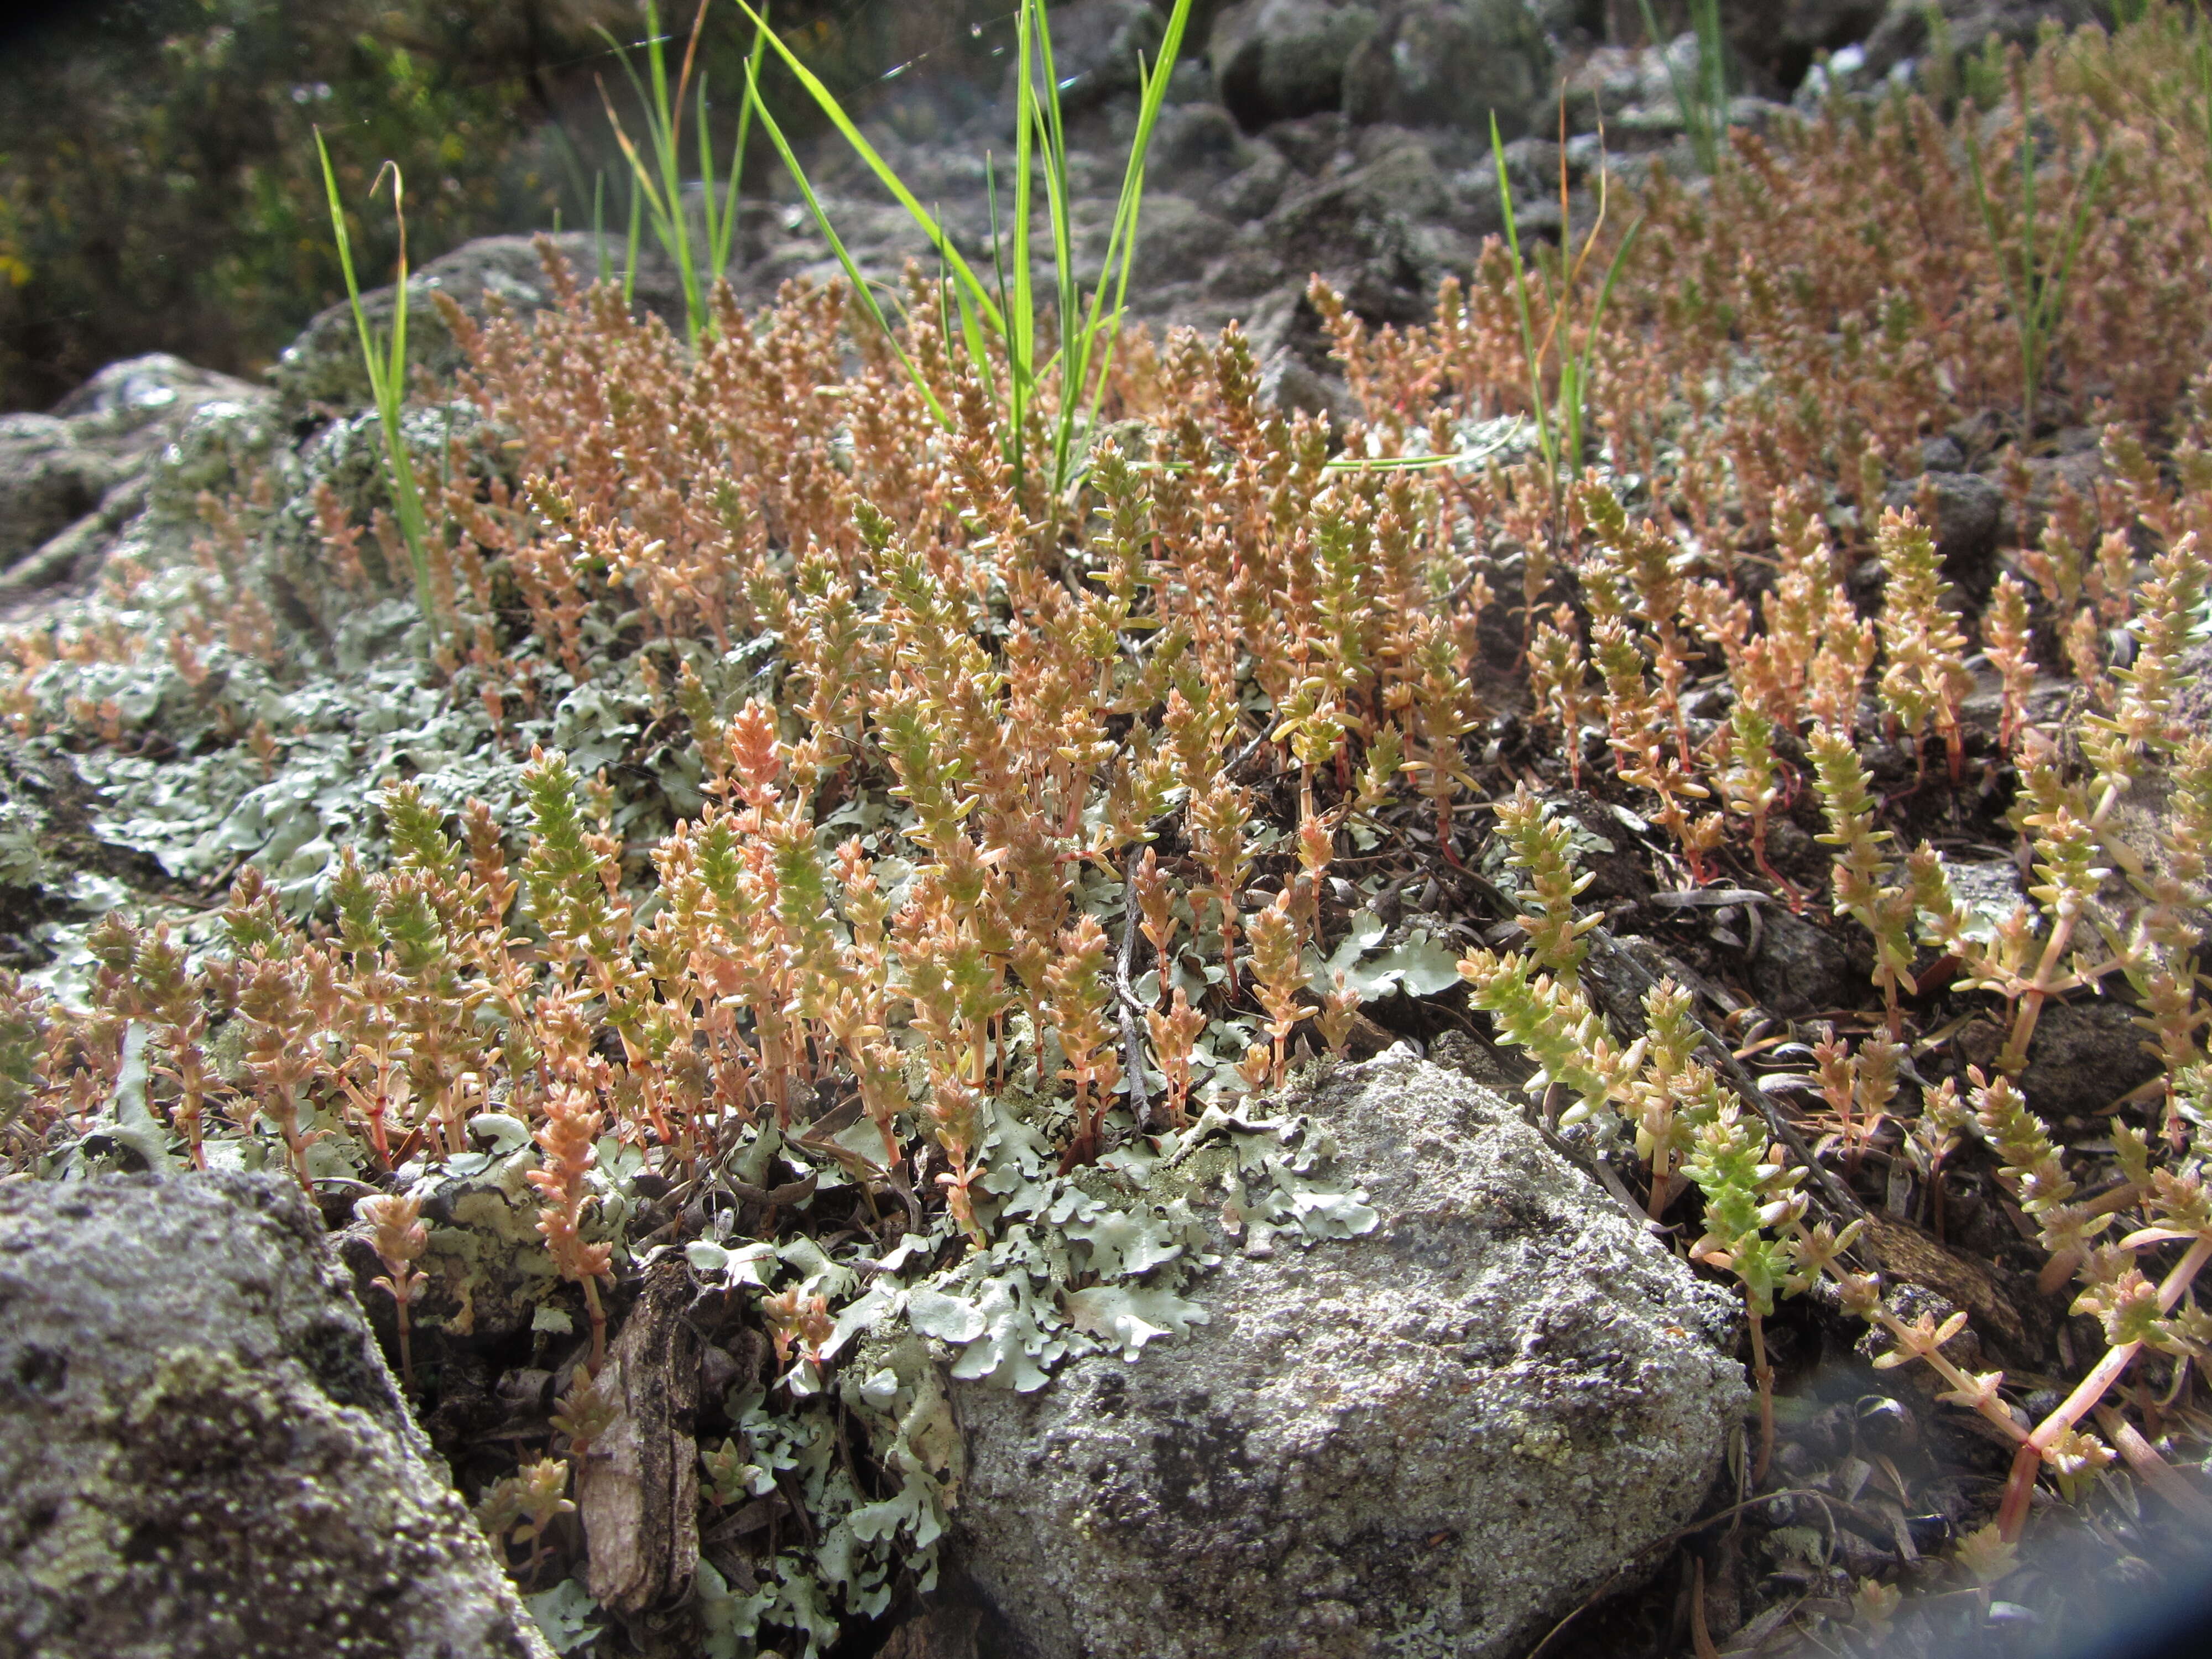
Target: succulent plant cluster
{"type": "Point", "coordinates": [888, 876]}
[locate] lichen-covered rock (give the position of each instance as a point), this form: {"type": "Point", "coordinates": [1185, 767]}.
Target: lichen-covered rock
{"type": "Point", "coordinates": [323, 370]}
{"type": "Point", "coordinates": [47, 481]}
{"type": "Point", "coordinates": [133, 445]}
{"type": "Point", "coordinates": [202, 1453]}
{"type": "Point", "coordinates": [1421, 1441]}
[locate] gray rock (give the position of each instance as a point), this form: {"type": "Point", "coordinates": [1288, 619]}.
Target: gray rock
{"type": "Point", "coordinates": [1810, 26]}
{"type": "Point", "coordinates": [1451, 64]}
{"type": "Point", "coordinates": [1277, 59]}
{"type": "Point", "coordinates": [1612, 848]}
{"type": "Point", "coordinates": [1775, 44]}
{"type": "Point", "coordinates": [1942, 454]}
{"type": "Point", "coordinates": [1317, 146]}
{"type": "Point", "coordinates": [165, 410]}
{"type": "Point", "coordinates": [1903, 32]}
{"type": "Point", "coordinates": [201, 1452]}
{"type": "Point", "coordinates": [131, 408]}
{"type": "Point", "coordinates": [1429, 1440]}
{"type": "Point", "coordinates": [1570, 17]}
{"type": "Point", "coordinates": [2049, 478]}
{"type": "Point", "coordinates": [71, 479]}
{"type": "Point", "coordinates": [1801, 968]}
{"type": "Point", "coordinates": [48, 480]}
{"type": "Point", "coordinates": [2083, 1057]}
{"type": "Point", "coordinates": [1199, 138]}
{"type": "Point", "coordinates": [1362, 232]}
{"type": "Point", "coordinates": [322, 369]}
{"type": "Point", "coordinates": [1179, 238]}
{"type": "Point", "coordinates": [1252, 192]}
{"type": "Point", "coordinates": [1965, 510]}
{"type": "Point", "coordinates": [1288, 384]}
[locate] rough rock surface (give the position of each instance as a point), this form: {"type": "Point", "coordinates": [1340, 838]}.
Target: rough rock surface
{"type": "Point", "coordinates": [1450, 63]}
{"type": "Point", "coordinates": [1800, 967]}
{"type": "Point", "coordinates": [2084, 1058]}
{"type": "Point", "coordinates": [1423, 1441]}
{"type": "Point", "coordinates": [201, 1452]}
{"type": "Point", "coordinates": [1277, 59]}
{"type": "Point", "coordinates": [47, 480]}
{"type": "Point", "coordinates": [323, 367]}
{"type": "Point", "coordinates": [66, 475]}
{"type": "Point", "coordinates": [1903, 31]}
{"type": "Point", "coordinates": [1964, 511]}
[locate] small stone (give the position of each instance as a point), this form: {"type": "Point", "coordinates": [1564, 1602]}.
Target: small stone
{"type": "Point", "coordinates": [1942, 454]}
{"type": "Point", "coordinates": [2083, 1057]}
{"type": "Point", "coordinates": [1963, 509]}
{"type": "Point", "coordinates": [1800, 967]}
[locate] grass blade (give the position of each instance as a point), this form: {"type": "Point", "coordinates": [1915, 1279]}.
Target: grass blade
{"type": "Point", "coordinates": [1021, 334]}
{"type": "Point", "coordinates": [1597, 318]}
{"type": "Point", "coordinates": [862, 293]}
{"type": "Point", "coordinates": [630, 251]}
{"type": "Point", "coordinates": [599, 221]}
{"type": "Point", "coordinates": [387, 381]}
{"type": "Point", "coordinates": [1544, 439]}
{"type": "Point", "coordinates": [885, 173]}
{"type": "Point", "coordinates": [721, 249]}
{"type": "Point", "coordinates": [661, 126]}
{"type": "Point", "coordinates": [1121, 240]}
{"type": "Point", "coordinates": [707, 186]}
{"type": "Point", "coordinates": [1701, 101]}
{"type": "Point", "coordinates": [1055, 132]}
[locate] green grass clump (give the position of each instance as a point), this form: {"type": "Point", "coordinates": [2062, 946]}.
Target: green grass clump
{"type": "Point", "coordinates": [386, 361]}
{"type": "Point", "coordinates": [1011, 346]}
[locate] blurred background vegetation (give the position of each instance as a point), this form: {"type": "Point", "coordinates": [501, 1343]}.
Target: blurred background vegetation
{"type": "Point", "coordinates": [159, 188]}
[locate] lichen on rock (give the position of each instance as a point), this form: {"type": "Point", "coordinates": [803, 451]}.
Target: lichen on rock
{"type": "Point", "coordinates": [202, 1455]}
{"type": "Point", "coordinates": [1422, 1438]}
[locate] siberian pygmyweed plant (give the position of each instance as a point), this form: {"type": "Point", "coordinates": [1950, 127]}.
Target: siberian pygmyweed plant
{"type": "Point", "coordinates": [973, 779]}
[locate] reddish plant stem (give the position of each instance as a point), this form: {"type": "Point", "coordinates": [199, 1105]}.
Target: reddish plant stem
{"type": "Point", "coordinates": [2027, 1461]}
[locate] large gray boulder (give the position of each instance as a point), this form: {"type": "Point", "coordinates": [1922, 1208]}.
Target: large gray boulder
{"type": "Point", "coordinates": [1274, 60]}
{"type": "Point", "coordinates": [1451, 64]}
{"type": "Point", "coordinates": [202, 1455]}
{"type": "Point", "coordinates": [1427, 1440]}
{"type": "Point", "coordinates": [87, 457]}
